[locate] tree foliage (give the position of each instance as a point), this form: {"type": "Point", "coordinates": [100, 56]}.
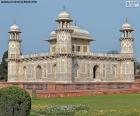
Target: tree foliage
{"type": "Point", "coordinates": [137, 68]}
{"type": "Point", "coordinates": [112, 52]}
{"type": "Point", "coordinates": [4, 67]}
{"type": "Point", "coordinates": [14, 101]}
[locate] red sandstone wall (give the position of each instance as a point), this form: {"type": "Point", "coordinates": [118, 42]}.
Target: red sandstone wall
{"type": "Point", "coordinates": [75, 89]}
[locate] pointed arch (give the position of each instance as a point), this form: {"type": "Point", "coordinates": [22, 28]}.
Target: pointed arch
{"type": "Point", "coordinates": [54, 70]}
{"type": "Point", "coordinates": [24, 73]}
{"type": "Point", "coordinates": [114, 70]}
{"type": "Point", "coordinates": [76, 69]}
{"type": "Point", "coordinates": [95, 71]}
{"type": "Point", "coordinates": [38, 72]}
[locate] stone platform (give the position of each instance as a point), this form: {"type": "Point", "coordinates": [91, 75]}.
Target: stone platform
{"type": "Point", "coordinates": [42, 89]}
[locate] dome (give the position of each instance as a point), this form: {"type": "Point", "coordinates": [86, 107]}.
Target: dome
{"type": "Point", "coordinates": [126, 26]}
{"type": "Point", "coordinates": [63, 15]}
{"type": "Point", "coordinates": [77, 33]}
{"type": "Point", "coordinates": [53, 33]}
{"type": "Point", "coordinates": [15, 27]}
{"type": "Point", "coordinates": [78, 30]}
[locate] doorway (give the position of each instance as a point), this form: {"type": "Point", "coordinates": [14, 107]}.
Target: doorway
{"type": "Point", "coordinates": [95, 68]}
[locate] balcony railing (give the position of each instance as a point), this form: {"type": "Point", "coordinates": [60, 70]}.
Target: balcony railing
{"type": "Point", "coordinates": [34, 55]}
{"type": "Point", "coordinates": [81, 54]}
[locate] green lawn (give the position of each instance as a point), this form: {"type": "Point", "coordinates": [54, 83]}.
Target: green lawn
{"type": "Point", "coordinates": [99, 102]}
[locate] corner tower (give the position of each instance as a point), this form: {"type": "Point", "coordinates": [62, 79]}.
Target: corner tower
{"type": "Point", "coordinates": [14, 52]}
{"type": "Point", "coordinates": [63, 48]}
{"type": "Point", "coordinates": [63, 32]}
{"type": "Point", "coordinates": [126, 39]}
{"type": "Point", "coordinates": [127, 64]}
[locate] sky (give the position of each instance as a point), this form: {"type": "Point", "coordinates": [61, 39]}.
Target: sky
{"type": "Point", "coordinates": [102, 18]}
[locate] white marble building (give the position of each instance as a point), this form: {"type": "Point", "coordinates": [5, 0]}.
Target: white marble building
{"type": "Point", "coordinates": [70, 58]}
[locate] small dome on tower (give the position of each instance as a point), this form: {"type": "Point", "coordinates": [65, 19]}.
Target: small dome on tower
{"type": "Point", "coordinates": [64, 15]}
{"type": "Point", "coordinates": [15, 27]}
{"type": "Point", "coordinates": [126, 26]}
{"type": "Point", "coordinates": [53, 32]}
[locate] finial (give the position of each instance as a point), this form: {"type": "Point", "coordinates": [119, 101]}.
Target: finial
{"type": "Point", "coordinates": [64, 8]}
{"type": "Point", "coordinates": [126, 20]}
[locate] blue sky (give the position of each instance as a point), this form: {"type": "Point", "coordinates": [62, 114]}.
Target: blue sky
{"type": "Point", "coordinates": [102, 18]}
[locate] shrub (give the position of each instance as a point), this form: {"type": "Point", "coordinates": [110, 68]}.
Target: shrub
{"type": "Point", "coordinates": [109, 113]}
{"type": "Point", "coordinates": [61, 110]}
{"type": "Point", "coordinates": [14, 101]}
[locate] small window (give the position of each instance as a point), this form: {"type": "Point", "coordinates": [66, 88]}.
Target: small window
{"type": "Point", "coordinates": [78, 48]}
{"type": "Point", "coordinates": [53, 49]}
{"type": "Point", "coordinates": [85, 49]}
{"type": "Point", "coordinates": [73, 48]}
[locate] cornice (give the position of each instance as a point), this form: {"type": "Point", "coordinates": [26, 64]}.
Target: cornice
{"type": "Point", "coordinates": [92, 56]}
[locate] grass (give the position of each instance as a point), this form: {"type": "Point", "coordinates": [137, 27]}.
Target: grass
{"type": "Point", "coordinates": [99, 105]}
{"type": "Point", "coordinates": [99, 102]}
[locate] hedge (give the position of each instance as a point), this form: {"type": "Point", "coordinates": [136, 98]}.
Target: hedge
{"type": "Point", "coordinates": [14, 101]}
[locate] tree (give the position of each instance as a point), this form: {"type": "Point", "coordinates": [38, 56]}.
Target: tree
{"type": "Point", "coordinates": [112, 52]}
{"type": "Point", "coordinates": [4, 67]}
{"type": "Point", "coordinates": [14, 101]}
{"type": "Point", "coordinates": [137, 68]}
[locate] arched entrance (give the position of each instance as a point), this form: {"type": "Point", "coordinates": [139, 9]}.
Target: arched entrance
{"type": "Point", "coordinates": [54, 71]}
{"type": "Point", "coordinates": [24, 73]}
{"type": "Point", "coordinates": [38, 72]}
{"type": "Point", "coordinates": [75, 67]}
{"type": "Point", "coordinates": [95, 71]}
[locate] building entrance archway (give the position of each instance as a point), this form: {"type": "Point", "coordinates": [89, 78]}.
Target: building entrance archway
{"type": "Point", "coordinates": [95, 71]}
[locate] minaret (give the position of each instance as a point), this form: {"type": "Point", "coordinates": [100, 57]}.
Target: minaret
{"type": "Point", "coordinates": [127, 64]}
{"type": "Point", "coordinates": [63, 48]}
{"type": "Point", "coordinates": [14, 43]}
{"type": "Point", "coordinates": [13, 53]}
{"type": "Point", "coordinates": [63, 32]}
{"type": "Point", "coordinates": [126, 39]}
